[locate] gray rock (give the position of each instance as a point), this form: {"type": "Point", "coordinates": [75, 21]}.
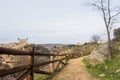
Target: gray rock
{"type": "Point", "coordinates": [99, 54]}
{"type": "Point", "coordinates": [118, 70]}
{"type": "Point", "coordinates": [102, 75]}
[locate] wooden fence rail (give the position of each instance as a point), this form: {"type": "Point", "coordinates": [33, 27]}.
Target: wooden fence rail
{"type": "Point", "coordinates": [9, 51]}
{"type": "Point", "coordinates": [30, 69]}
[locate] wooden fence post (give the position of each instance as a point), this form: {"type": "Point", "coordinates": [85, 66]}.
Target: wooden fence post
{"type": "Point", "coordinates": [66, 58]}
{"type": "Point", "coordinates": [60, 65]}
{"type": "Point", "coordinates": [52, 64]}
{"type": "Point", "coordinates": [32, 63]}
{"type": "Point", "coordinates": [28, 62]}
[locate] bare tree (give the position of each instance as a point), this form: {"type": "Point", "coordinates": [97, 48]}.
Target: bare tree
{"type": "Point", "coordinates": [110, 14]}
{"type": "Point", "coordinates": [95, 38]}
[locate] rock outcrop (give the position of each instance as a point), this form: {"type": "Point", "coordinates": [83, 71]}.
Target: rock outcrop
{"type": "Point", "coordinates": [10, 61]}
{"type": "Point", "coordinates": [98, 55]}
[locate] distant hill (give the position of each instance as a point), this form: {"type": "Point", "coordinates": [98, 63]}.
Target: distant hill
{"type": "Point", "coordinates": [42, 49]}
{"type": "Point", "coordinates": [49, 46]}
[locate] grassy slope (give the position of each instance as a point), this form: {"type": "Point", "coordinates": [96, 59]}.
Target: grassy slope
{"type": "Point", "coordinates": [108, 68]}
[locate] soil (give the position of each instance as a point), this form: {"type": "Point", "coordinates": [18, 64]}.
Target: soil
{"type": "Point", "coordinates": [75, 70]}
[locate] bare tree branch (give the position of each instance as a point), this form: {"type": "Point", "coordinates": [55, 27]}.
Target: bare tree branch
{"type": "Point", "coordinates": [96, 6]}
{"type": "Point", "coordinates": [118, 13]}
{"type": "Point", "coordinates": [109, 13]}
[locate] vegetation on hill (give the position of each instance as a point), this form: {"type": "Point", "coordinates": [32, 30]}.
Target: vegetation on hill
{"type": "Point", "coordinates": [110, 69]}
{"type": "Point", "coordinates": [116, 34]}
{"type": "Point", "coordinates": [38, 48]}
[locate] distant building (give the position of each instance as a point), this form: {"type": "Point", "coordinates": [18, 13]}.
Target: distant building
{"type": "Point", "coordinates": [22, 40]}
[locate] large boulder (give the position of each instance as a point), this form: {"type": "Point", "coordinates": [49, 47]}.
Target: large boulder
{"type": "Point", "coordinates": [98, 55]}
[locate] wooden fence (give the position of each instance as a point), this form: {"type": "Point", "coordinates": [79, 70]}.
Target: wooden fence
{"type": "Point", "coordinates": [31, 69]}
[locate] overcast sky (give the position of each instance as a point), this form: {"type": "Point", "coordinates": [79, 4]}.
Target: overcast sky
{"type": "Point", "coordinates": [48, 21]}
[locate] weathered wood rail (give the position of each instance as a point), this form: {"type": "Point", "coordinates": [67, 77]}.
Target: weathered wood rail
{"type": "Point", "coordinates": [31, 69]}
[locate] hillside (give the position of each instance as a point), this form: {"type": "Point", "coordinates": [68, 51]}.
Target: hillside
{"type": "Point", "coordinates": [110, 69]}
{"type": "Point", "coordinates": [49, 46]}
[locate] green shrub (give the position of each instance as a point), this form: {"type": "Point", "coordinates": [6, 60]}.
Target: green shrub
{"type": "Point", "coordinates": [40, 77]}
{"type": "Point", "coordinates": [86, 63]}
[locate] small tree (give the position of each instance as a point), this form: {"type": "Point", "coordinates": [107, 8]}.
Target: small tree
{"type": "Point", "coordinates": [116, 34]}
{"type": "Point", "coordinates": [95, 38]}
{"type": "Point", "coordinates": [110, 14]}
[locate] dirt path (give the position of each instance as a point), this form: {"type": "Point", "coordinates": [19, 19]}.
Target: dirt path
{"type": "Point", "coordinates": [75, 70]}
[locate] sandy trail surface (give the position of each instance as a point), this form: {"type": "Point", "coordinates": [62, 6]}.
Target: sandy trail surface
{"type": "Point", "coordinates": [75, 70]}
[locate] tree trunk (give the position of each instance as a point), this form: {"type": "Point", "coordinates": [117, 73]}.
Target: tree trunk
{"type": "Point", "coordinates": [109, 44]}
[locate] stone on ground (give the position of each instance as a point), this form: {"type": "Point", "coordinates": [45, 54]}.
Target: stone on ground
{"type": "Point", "coordinates": [98, 55]}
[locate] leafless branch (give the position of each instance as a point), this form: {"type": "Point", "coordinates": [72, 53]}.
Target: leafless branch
{"type": "Point", "coordinates": [99, 7]}
{"type": "Point", "coordinates": [118, 13]}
